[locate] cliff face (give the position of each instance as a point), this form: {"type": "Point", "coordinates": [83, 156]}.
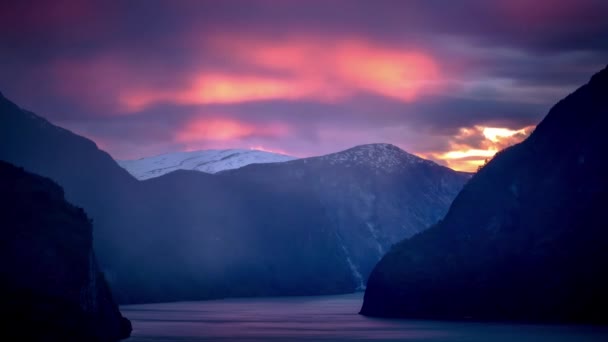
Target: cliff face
{"type": "Point", "coordinates": [51, 288]}
{"type": "Point", "coordinates": [526, 239]}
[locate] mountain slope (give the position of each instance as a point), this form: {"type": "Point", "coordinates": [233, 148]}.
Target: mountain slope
{"type": "Point", "coordinates": [186, 235]}
{"type": "Point", "coordinates": [526, 238]}
{"type": "Point", "coordinates": [303, 227]}
{"type": "Point", "coordinates": [50, 282]}
{"type": "Point", "coordinates": [374, 195]}
{"type": "Point", "coordinates": [210, 161]}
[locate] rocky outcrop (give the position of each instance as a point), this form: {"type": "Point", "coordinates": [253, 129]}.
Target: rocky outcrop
{"type": "Point", "coordinates": [526, 239]}
{"type": "Point", "coordinates": [51, 288]}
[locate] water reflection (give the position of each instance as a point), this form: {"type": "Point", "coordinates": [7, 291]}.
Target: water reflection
{"type": "Point", "coordinates": [326, 318]}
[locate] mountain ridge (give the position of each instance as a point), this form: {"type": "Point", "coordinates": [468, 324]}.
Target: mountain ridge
{"type": "Point", "coordinates": [237, 232]}
{"type": "Point", "coordinates": [382, 156]}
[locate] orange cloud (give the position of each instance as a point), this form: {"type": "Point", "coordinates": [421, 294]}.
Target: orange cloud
{"type": "Point", "coordinates": [495, 134]}
{"type": "Point", "coordinates": [226, 130]}
{"type": "Point", "coordinates": [226, 89]}
{"type": "Point", "coordinates": [300, 68]}
{"type": "Point", "coordinates": [220, 88]}
{"type": "Point", "coordinates": [216, 88]}
{"type": "Point", "coordinates": [471, 147]}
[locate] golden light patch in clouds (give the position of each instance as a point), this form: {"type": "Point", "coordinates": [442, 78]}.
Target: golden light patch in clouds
{"type": "Point", "coordinates": [301, 69]}
{"type": "Point", "coordinates": [495, 134]}
{"type": "Point", "coordinates": [225, 130]}
{"type": "Point", "coordinates": [471, 147]}
{"type": "Point", "coordinates": [468, 154]}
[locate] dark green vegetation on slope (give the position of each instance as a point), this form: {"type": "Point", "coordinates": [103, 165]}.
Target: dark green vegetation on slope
{"type": "Point", "coordinates": [51, 288]}
{"type": "Point", "coordinates": [527, 237]}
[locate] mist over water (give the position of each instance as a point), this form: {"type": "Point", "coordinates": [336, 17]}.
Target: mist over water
{"type": "Point", "coordinates": [322, 318]}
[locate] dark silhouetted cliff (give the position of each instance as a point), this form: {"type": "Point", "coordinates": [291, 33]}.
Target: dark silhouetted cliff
{"type": "Point", "coordinates": [527, 237]}
{"type": "Point", "coordinates": [51, 288]}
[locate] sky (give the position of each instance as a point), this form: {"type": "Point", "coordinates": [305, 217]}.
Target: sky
{"type": "Point", "coordinates": [451, 81]}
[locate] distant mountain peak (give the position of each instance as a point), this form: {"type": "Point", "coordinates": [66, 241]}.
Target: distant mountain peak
{"type": "Point", "coordinates": [380, 156]}
{"type": "Point", "coordinates": [378, 147]}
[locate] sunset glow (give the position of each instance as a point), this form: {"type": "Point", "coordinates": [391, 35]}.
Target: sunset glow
{"type": "Point", "coordinates": [463, 155]}
{"type": "Point", "coordinates": [221, 130]}
{"type": "Point", "coordinates": [288, 170]}
{"type": "Point", "coordinates": [468, 153]}
{"type": "Point", "coordinates": [495, 134]}
{"type": "Point", "coordinates": [321, 70]}
{"type": "Point", "coordinates": [303, 77]}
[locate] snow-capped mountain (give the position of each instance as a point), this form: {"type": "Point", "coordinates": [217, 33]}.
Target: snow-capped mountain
{"type": "Point", "coordinates": [209, 161]}
{"type": "Point", "coordinates": [380, 157]}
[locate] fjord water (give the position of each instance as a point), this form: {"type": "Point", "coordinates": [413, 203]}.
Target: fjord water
{"type": "Point", "coordinates": [322, 318]}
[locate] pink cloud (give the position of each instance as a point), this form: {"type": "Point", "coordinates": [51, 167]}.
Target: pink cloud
{"type": "Point", "coordinates": [318, 69]}
{"type": "Point", "coordinates": [220, 130]}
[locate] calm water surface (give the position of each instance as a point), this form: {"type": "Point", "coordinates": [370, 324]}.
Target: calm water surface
{"type": "Point", "coordinates": [326, 318]}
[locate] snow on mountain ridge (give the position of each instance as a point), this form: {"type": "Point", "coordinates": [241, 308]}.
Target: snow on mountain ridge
{"type": "Point", "coordinates": [380, 156]}
{"type": "Point", "coordinates": [210, 161]}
